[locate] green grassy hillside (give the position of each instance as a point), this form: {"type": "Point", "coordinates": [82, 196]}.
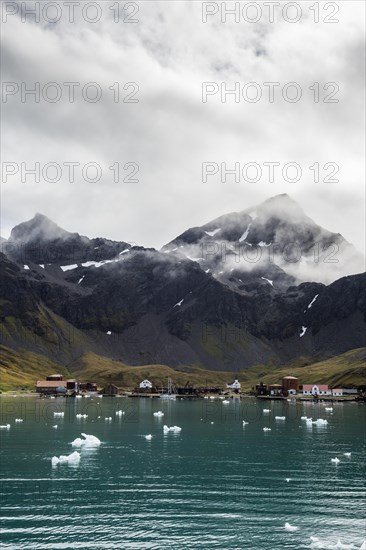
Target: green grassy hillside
{"type": "Point", "coordinates": [21, 369]}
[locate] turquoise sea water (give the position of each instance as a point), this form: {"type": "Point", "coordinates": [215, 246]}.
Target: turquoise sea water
{"type": "Point", "coordinates": [215, 485]}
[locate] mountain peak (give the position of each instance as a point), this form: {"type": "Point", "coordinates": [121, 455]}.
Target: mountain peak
{"type": "Point", "coordinates": [38, 228]}
{"type": "Point", "coordinates": [282, 206]}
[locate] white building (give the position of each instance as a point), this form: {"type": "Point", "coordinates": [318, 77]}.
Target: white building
{"type": "Point", "coordinates": [316, 389]}
{"type": "Point", "coordinates": [146, 384]}
{"type": "Point", "coordinates": [234, 386]}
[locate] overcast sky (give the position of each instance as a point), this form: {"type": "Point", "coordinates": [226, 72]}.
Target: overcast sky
{"type": "Point", "coordinates": [170, 132]}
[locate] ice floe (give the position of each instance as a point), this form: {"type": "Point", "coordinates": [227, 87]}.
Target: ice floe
{"type": "Point", "coordinates": [335, 460]}
{"type": "Point", "coordinates": [148, 437]}
{"type": "Point", "coordinates": [89, 441]}
{"type": "Point", "coordinates": [73, 458]}
{"type": "Point", "coordinates": [290, 528]}
{"type": "Point", "coordinates": [173, 429]}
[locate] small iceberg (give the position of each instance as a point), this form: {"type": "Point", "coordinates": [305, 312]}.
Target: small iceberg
{"type": "Point", "coordinates": [148, 437]}
{"type": "Point", "coordinates": [89, 441]}
{"type": "Point", "coordinates": [158, 413]}
{"type": "Point", "coordinates": [19, 420]}
{"type": "Point", "coordinates": [55, 427]}
{"type": "Point", "coordinates": [266, 429]}
{"type": "Point", "coordinates": [335, 460]}
{"type": "Point", "coordinates": [290, 528]}
{"type": "Point", "coordinates": [280, 417]}
{"type": "Point", "coordinates": [320, 422]}
{"type": "Point", "coordinates": [266, 411]}
{"type": "Point", "coordinates": [173, 429]}
{"type": "Point", "coordinates": [73, 458]}
{"type": "Point", "coordinates": [288, 479]}
{"type": "Point", "coordinates": [5, 427]}
{"type": "Point", "coordinates": [348, 455]}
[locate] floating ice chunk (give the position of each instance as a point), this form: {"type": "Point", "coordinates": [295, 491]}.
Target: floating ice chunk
{"type": "Point", "coordinates": [158, 413]}
{"type": "Point", "coordinates": [73, 458]}
{"type": "Point", "coordinates": [41, 265]}
{"type": "Point", "coordinates": [59, 414]}
{"type": "Point", "coordinates": [26, 267]}
{"type": "Point", "coordinates": [280, 417]}
{"type": "Point", "coordinates": [5, 427]}
{"type": "Point", "coordinates": [267, 429]}
{"type": "Point", "coordinates": [320, 422]}
{"type": "Point", "coordinates": [55, 427]}
{"type": "Point", "coordinates": [348, 455]}
{"type": "Point", "coordinates": [266, 411]}
{"type": "Point", "coordinates": [148, 437]}
{"type": "Point", "coordinates": [303, 330]}
{"type": "Point", "coordinates": [19, 420]}
{"type": "Point", "coordinates": [89, 441]}
{"type": "Point", "coordinates": [173, 429]}
{"type": "Point", "coordinates": [290, 528]}
{"type": "Point", "coordinates": [288, 479]}
{"type": "Point", "coordinates": [212, 422]}
{"type": "Point", "coordinates": [335, 460]}
{"type": "Point", "coordinates": [108, 332]}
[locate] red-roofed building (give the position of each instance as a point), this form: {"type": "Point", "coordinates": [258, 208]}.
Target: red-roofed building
{"type": "Point", "coordinates": [338, 392]}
